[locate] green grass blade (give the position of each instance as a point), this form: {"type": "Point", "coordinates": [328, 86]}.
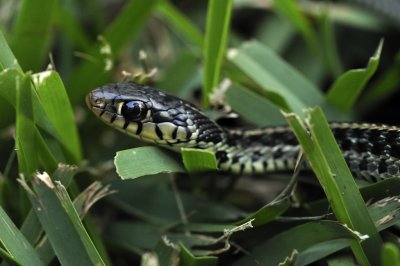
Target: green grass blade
{"type": "Point", "coordinates": [32, 228]}
{"type": "Point", "coordinates": [15, 243]}
{"type": "Point", "coordinates": [7, 60]}
{"type": "Point", "coordinates": [62, 224]}
{"type": "Point", "coordinates": [196, 160]}
{"type": "Point", "coordinates": [89, 74]}
{"type": "Point", "coordinates": [179, 21]}
{"type": "Point", "coordinates": [8, 95]}
{"type": "Point", "coordinates": [8, 81]}
{"type": "Point", "coordinates": [142, 161]}
{"type": "Point", "coordinates": [329, 50]}
{"type": "Point", "coordinates": [325, 158]}
{"type": "Point", "coordinates": [390, 255]}
{"type": "Point", "coordinates": [31, 34]}
{"type": "Point", "coordinates": [217, 29]}
{"type": "Point", "coordinates": [52, 95]}
{"type": "Point", "coordinates": [384, 87]}
{"type": "Point", "coordinates": [25, 128]}
{"type": "Point", "coordinates": [346, 89]}
{"type": "Point", "coordinates": [48, 140]}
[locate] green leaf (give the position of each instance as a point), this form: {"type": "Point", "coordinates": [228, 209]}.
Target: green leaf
{"type": "Point", "coordinates": [31, 34]}
{"type": "Point", "coordinates": [47, 139]}
{"type": "Point", "coordinates": [390, 255]}
{"type": "Point", "coordinates": [326, 160]}
{"type": "Point", "coordinates": [143, 161]}
{"type": "Point", "coordinates": [196, 160]}
{"type": "Point", "coordinates": [346, 89]}
{"type": "Point", "coordinates": [55, 103]}
{"type": "Point", "coordinates": [329, 50]}
{"type": "Point", "coordinates": [15, 243]}
{"type": "Point", "coordinates": [25, 128]}
{"type": "Point", "coordinates": [382, 88]}
{"type": "Point", "coordinates": [8, 84]}
{"type": "Point", "coordinates": [217, 29]}
{"type": "Point", "coordinates": [7, 58]}
{"type": "Point", "coordinates": [55, 210]}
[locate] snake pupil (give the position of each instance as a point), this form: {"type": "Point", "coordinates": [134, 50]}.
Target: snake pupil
{"type": "Point", "coordinates": [134, 110]}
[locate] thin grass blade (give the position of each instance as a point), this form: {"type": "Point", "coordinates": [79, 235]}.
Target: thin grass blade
{"type": "Point", "coordinates": [345, 90]}
{"type": "Point", "coordinates": [61, 222]}
{"type": "Point", "coordinates": [217, 29]}
{"type": "Point", "coordinates": [325, 158]}
{"type": "Point", "coordinates": [56, 104]}
{"type": "Point", "coordinates": [143, 161]}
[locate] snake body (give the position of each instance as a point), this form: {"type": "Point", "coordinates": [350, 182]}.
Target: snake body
{"type": "Point", "coordinates": [372, 151]}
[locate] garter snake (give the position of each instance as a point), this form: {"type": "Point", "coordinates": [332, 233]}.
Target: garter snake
{"type": "Point", "coordinates": [372, 151]}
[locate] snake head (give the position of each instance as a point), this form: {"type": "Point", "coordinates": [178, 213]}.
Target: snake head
{"type": "Point", "coordinates": [149, 114]}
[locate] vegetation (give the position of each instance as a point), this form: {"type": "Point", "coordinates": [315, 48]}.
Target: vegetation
{"type": "Point", "coordinates": [64, 199]}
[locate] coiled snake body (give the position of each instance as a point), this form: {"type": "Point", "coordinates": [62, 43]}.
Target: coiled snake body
{"type": "Point", "coordinates": [372, 151]}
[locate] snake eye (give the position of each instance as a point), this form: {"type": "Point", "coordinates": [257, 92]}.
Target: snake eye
{"type": "Point", "coordinates": [134, 110]}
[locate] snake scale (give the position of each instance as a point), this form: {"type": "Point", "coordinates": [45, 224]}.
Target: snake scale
{"type": "Point", "coordinates": [372, 151]}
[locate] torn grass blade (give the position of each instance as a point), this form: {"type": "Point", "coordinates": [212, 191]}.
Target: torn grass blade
{"type": "Point", "coordinates": [196, 160]}
{"type": "Point", "coordinates": [67, 235]}
{"type": "Point", "coordinates": [326, 160]}
{"type": "Point", "coordinates": [143, 161]}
